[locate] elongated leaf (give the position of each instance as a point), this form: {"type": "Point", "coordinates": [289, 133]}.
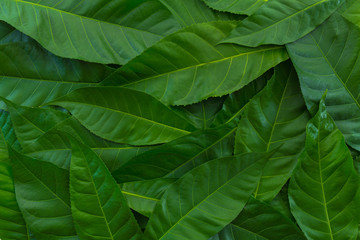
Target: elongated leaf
{"type": "Point", "coordinates": [188, 66]}
{"type": "Point", "coordinates": [42, 191]}
{"type": "Point", "coordinates": [206, 199]}
{"type": "Point", "coordinates": [189, 12]}
{"type": "Point", "coordinates": [259, 220]}
{"type": "Point", "coordinates": [124, 115]}
{"type": "Point", "coordinates": [275, 118]}
{"type": "Point", "coordinates": [176, 158]}
{"type": "Point", "coordinates": [8, 34]}
{"type": "Point", "coordinates": [98, 206]}
{"type": "Point", "coordinates": [282, 21]}
{"type": "Point", "coordinates": [12, 224]}
{"type": "Point", "coordinates": [236, 102]}
{"type": "Point", "coordinates": [25, 65]}
{"type": "Point", "coordinates": [73, 34]}
{"type": "Point", "coordinates": [236, 6]}
{"type": "Point", "coordinates": [328, 58]}
{"type": "Point", "coordinates": [143, 196]}
{"type": "Point", "coordinates": [323, 190]}
{"type": "Point", "coordinates": [352, 13]}
{"type": "Point", "coordinates": [8, 130]}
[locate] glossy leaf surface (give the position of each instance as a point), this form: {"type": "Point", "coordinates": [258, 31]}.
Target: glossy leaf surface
{"type": "Point", "coordinates": [187, 208]}
{"type": "Point", "coordinates": [323, 190]}
{"type": "Point", "coordinates": [328, 58]}
{"type": "Point", "coordinates": [122, 120]}
{"type": "Point", "coordinates": [98, 206]}
{"type": "Point", "coordinates": [282, 21]}
{"type": "Point", "coordinates": [188, 66]}
{"type": "Point", "coordinates": [275, 118]}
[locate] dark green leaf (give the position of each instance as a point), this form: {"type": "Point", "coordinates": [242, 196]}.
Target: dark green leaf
{"type": "Point", "coordinates": [236, 6]}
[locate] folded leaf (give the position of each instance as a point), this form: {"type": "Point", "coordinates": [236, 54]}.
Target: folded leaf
{"type": "Point", "coordinates": [282, 21]}
{"type": "Point", "coordinates": [324, 189]}
{"type": "Point", "coordinates": [259, 220]}
{"type": "Point", "coordinates": [42, 191]}
{"type": "Point", "coordinates": [175, 158]}
{"type": "Point", "coordinates": [98, 206]}
{"type": "Point", "coordinates": [247, 7]}
{"type": "Point", "coordinates": [275, 118]}
{"type": "Point", "coordinates": [188, 66]}
{"type": "Point", "coordinates": [12, 224]}
{"type": "Point", "coordinates": [122, 115]}
{"type": "Point", "coordinates": [206, 199]}
{"type": "Point", "coordinates": [68, 32]}
{"type": "Point", "coordinates": [328, 58]}
{"type": "Point", "coordinates": [142, 196]}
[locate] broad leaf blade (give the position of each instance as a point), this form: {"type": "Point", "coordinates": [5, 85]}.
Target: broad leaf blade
{"type": "Point", "coordinates": [282, 21]}
{"type": "Point", "coordinates": [84, 36]}
{"type": "Point", "coordinates": [42, 191]}
{"type": "Point", "coordinates": [247, 7]}
{"type": "Point", "coordinates": [352, 13]}
{"type": "Point", "coordinates": [12, 224]}
{"type": "Point", "coordinates": [175, 158]}
{"type": "Point", "coordinates": [98, 206]}
{"type": "Point", "coordinates": [328, 58]}
{"type": "Point", "coordinates": [206, 199]}
{"type": "Point", "coordinates": [125, 115]}
{"type": "Point", "coordinates": [275, 118]}
{"type": "Point", "coordinates": [189, 66]}
{"type": "Point", "coordinates": [323, 190]}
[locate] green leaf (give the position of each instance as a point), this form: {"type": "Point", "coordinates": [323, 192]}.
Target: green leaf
{"type": "Point", "coordinates": [323, 191]}
{"type": "Point", "coordinates": [124, 115]}
{"type": "Point", "coordinates": [275, 118]}
{"type": "Point", "coordinates": [98, 206]}
{"type": "Point", "coordinates": [247, 7]}
{"type": "Point", "coordinates": [142, 196]}
{"type": "Point", "coordinates": [328, 58]}
{"type": "Point", "coordinates": [8, 34]}
{"type": "Point", "coordinates": [236, 102]}
{"type": "Point", "coordinates": [259, 220]}
{"type": "Point", "coordinates": [206, 199]}
{"type": "Point", "coordinates": [44, 76]}
{"type": "Point", "coordinates": [42, 191]}
{"type": "Point", "coordinates": [282, 21]}
{"type": "Point", "coordinates": [189, 12]}
{"type": "Point", "coordinates": [175, 158]}
{"type": "Point", "coordinates": [8, 130]}
{"type": "Point", "coordinates": [12, 224]}
{"type": "Point", "coordinates": [352, 13]}
{"type": "Point", "coordinates": [188, 66]}
{"type": "Point", "coordinates": [83, 31]}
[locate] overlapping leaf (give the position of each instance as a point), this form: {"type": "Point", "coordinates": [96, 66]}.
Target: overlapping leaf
{"type": "Point", "coordinates": [176, 158]}
{"type": "Point", "coordinates": [187, 66]}
{"type": "Point", "coordinates": [206, 199]}
{"type": "Point", "coordinates": [121, 115]}
{"type": "Point", "coordinates": [42, 191]}
{"type": "Point", "coordinates": [236, 6]}
{"type": "Point", "coordinates": [282, 21]}
{"type": "Point", "coordinates": [328, 58]}
{"type": "Point", "coordinates": [98, 206]}
{"type": "Point", "coordinates": [324, 189]}
{"type": "Point", "coordinates": [275, 118]}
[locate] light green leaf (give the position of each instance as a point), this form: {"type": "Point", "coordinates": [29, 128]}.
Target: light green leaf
{"type": "Point", "coordinates": [174, 159]}
{"type": "Point", "coordinates": [323, 191]}
{"type": "Point", "coordinates": [260, 221]}
{"type": "Point", "coordinates": [328, 58]}
{"type": "Point", "coordinates": [275, 118]}
{"type": "Point", "coordinates": [206, 199]}
{"type": "Point", "coordinates": [352, 13]}
{"type": "Point", "coordinates": [247, 7]}
{"type": "Point", "coordinates": [42, 191]}
{"type": "Point", "coordinates": [122, 115]}
{"type": "Point", "coordinates": [188, 66]}
{"type": "Point", "coordinates": [98, 206]}
{"type": "Point", "coordinates": [69, 31]}
{"type": "Point", "coordinates": [189, 12]}
{"type": "Point", "coordinates": [282, 21]}
{"type": "Point", "coordinates": [236, 102]}
{"type": "Point", "coordinates": [142, 196]}
{"type": "Point", "coordinates": [12, 224]}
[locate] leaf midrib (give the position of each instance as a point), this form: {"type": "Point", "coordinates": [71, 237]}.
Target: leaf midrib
{"type": "Point", "coordinates": [201, 64]}
{"type": "Point", "coordinates": [81, 17]}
